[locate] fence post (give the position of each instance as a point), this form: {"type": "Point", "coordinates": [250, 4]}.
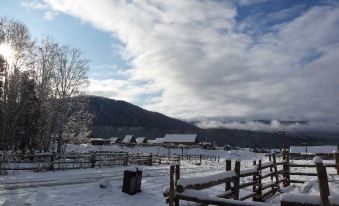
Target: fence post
{"type": "Point", "coordinates": [171, 192]}
{"type": "Point", "coordinates": [237, 180]}
{"type": "Point", "coordinates": [259, 188]}
{"type": "Point", "coordinates": [51, 163]}
{"type": "Point", "coordinates": [323, 181]}
{"type": "Point", "coordinates": [218, 158]}
{"type": "Point", "coordinates": [228, 168]}
{"type": "Point", "coordinates": [271, 170]}
{"type": "Point", "coordinates": [93, 159]}
{"type": "Point", "coordinates": [200, 157]}
{"type": "Point", "coordinates": [177, 177]}
{"type": "Point", "coordinates": [150, 159]}
{"type": "Point", "coordinates": [336, 156]}
{"type": "Point", "coordinates": [286, 168]}
{"type": "Point", "coordinates": [126, 159]}
{"type": "Point", "coordinates": [276, 171]}
{"type": "Point", "coordinates": [255, 180]}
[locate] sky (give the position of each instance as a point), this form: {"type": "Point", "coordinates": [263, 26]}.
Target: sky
{"type": "Point", "coordinates": [221, 63]}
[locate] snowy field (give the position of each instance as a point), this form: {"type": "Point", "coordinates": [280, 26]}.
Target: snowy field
{"type": "Point", "coordinates": [81, 186]}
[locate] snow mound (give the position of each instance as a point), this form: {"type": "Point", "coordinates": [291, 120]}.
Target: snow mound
{"type": "Point", "coordinates": [105, 183]}
{"type": "Point", "coordinates": [14, 202]}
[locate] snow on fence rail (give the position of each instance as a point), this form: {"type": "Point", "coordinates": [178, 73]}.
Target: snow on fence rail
{"type": "Point", "coordinates": [191, 188]}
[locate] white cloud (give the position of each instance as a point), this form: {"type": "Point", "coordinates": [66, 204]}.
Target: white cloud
{"type": "Point", "coordinates": [196, 54]}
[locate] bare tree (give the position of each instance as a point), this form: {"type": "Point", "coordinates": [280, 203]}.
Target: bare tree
{"type": "Point", "coordinates": [43, 82]}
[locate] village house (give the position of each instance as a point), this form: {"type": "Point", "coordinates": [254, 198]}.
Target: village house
{"type": "Point", "coordinates": [129, 139]}
{"type": "Point", "coordinates": [141, 140]}
{"type": "Point", "coordinates": [155, 141]}
{"type": "Point", "coordinates": [185, 139]}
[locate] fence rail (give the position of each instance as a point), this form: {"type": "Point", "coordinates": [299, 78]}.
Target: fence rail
{"type": "Point", "coordinates": [49, 161]}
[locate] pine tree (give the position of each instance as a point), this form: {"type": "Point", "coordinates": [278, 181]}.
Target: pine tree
{"type": "Point", "coordinates": [28, 116]}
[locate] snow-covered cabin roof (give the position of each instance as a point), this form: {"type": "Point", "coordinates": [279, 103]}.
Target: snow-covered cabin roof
{"type": "Point", "coordinates": [156, 141]}
{"type": "Point", "coordinates": [177, 138]}
{"type": "Point", "coordinates": [128, 139]}
{"type": "Point", "coordinates": [140, 140]}
{"type": "Point", "coordinates": [328, 149]}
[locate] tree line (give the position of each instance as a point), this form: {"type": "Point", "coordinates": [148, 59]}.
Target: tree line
{"type": "Point", "coordinates": [41, 91]}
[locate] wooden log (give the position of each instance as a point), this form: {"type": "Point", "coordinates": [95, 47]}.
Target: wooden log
{"type": "Point", "coordinates": [228, 168]}
{"type": "Point", "coordinates": [237, 180]}
{"type": "Point", "coordinates": [323, 182]}
{"type": "Point", "coordinates": [171, 192]}
{"type": "Point", "coordinates": [247, 184]}
{"type": "Point", "coordinates": [303, 174]}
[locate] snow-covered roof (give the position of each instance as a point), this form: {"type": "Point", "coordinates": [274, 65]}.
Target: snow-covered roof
{"type": "Point", "coordinates": [328, 149]}
{"type": "Point", "coordinates": [187, 138]}
{"type": "Point", "coordinates": [128, 139]}
{"type": "Point", "coordinates": [156, 141]}
{"type": "Point", "coordinates": [140, 140]}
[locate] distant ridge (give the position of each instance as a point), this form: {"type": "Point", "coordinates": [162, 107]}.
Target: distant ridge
{"type": "Point", "coordinates": [116, 113]}
{"type": "Point", "coordinates": [119, 118]}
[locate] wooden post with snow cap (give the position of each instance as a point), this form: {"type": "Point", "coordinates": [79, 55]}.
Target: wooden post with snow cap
{"type": "Point", "coordinates": [171, 190]}
{"type": "Point", "coordinates": [323, 181]}
{"type": "Point", "coordinates": [275, 171]}
{"type": "Point", "coordinates": [255, 180]}
{"type": "Point", "coordinates": [286, 168]}
{"type": "Point", "coordinates": [259, 181]}
{"type": "Point", "coordinates": [271, 169]}
{"type": "Point", "coordinates": [237, 180]}
{"type": "Point", "coordinates": [228, 168]}
{"type": "Point", "coordinates": [177, 177]}
{"type": "Point", "coordinates": [336, 156]}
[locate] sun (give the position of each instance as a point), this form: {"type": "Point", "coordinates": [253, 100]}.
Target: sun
{"type": "Point", "coordinates": [6, 51]}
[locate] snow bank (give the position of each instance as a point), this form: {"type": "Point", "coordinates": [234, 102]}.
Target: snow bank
{"type": "Point", "coordinates": [301, 198]}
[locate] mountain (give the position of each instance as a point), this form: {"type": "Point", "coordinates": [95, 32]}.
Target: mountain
{"type": "Point", "coordinates": [118, 118]}
{"type": "Point", "coordinates": [112, 116]}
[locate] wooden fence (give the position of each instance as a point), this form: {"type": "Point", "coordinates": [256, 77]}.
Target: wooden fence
{"type": "Point", "coordinates": [49, 161]}
{"type": "Point", "coordinates": [188, 189]}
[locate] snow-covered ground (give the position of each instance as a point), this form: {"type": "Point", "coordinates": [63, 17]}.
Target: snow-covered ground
{"type": "Point", "coordinates": [82, 186]}
{"type": "Point", "coordinates": [244, 154]}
